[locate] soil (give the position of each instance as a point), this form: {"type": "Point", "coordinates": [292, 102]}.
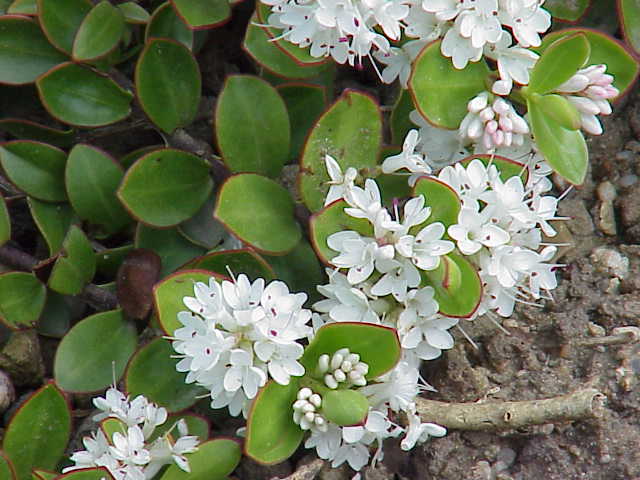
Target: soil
{"type": "Point", "coordinates": [533, 356]}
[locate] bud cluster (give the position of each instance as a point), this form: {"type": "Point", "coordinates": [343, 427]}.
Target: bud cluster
{"type": "Point", "coordinates": [343, 366]}
{"type": "Point", "coordinates": [305, 411]}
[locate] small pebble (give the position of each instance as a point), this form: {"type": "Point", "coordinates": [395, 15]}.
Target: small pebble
{"type": "Point", "coordinates": [624, 155]}
{"type": "Point", "coordinates": [596, 330]}
{"type": "Point", "coordinates": [628, 180]}
{"type": "Point", "coordinates": [607, 260]}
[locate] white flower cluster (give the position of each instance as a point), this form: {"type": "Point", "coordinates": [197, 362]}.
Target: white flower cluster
{"type": "Point", "coordinates": [348, 30]}
{"type": "Point", "coordinates": [344, 368]}
{"type": "Point", "coordinates": [394, 392]}
{"type": "Point", "coordinates": [129, 455]}
{"type": "Point", "coordinates": [239, 333]}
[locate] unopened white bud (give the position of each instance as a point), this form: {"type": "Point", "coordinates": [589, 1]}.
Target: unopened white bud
{"type": "Point", "coordinates": [360, 382]}
{"type": "Point", "coordinates": [577, 83]}
{"type": "Point", "coordinates": [316, 400]}
{"type": "Point", "coordinates": [343, 351]}
{"type": "Point", "coordinates": [323, 364]}
{"type": "Point", "coordinates": [339, 375]}
{"type": "Point", "coordinates": [336, 361]}
{"type": "Point", "coordinates": [304, 393]}
{"type": "Point", "coordinates": [478, 103]}
{"type": "Point", "coordinates": [319, 420]}
{"type": "Point", "coordinates": [491, 127]}
{"type": "Point", "coordinates": [308, 408]}
{"type": "Point", "coordinates": [310, 416]}
{"type": "Point", "coordinates": [501, 107]}
{"type": "Point", "coordinates": [298, 404]}
{"type": "Point", "coordinates": [330, 382]}
{"type": "Point", "coordinates": [487, 114]}
{"type": "Point", "coordinates": [362, 367]}
{"type": "Point", "coordinates": [297, 416]}
{"type": "Point", "coordinates": [353, 358]}
{"type": "Point", "coordinates": [305, 424]}
{"type": "Point", "coordinates": [346, 366]}
{"type": "Point", "coordinates": [354, 375]}
{"type": "Point", "coordinates": [505, 123]}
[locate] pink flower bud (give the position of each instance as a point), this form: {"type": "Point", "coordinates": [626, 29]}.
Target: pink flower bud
{"type": "Point", "coordinates": [594, 91]}
{"type": "Point", "coordinates": [477, 103]}
{"type": "Point", "coordinates": [498, 137]}
{"type": "Point", "coordinates": [577, 83]}
{"type": "Point", "coordinates": [491, 127]}
{"type": "Point", "coordinates": [505, 123]}
{"type": "Point", "coordinates": [501, 107]}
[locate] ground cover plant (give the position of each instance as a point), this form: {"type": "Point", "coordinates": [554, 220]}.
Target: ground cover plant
{"type": "Point", "coordinates": [236, 232]}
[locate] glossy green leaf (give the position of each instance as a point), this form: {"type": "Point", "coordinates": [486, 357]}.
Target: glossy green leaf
{"type": "Point", "coordinates": [5, 222]}
{"type": "Point", "coordinates": [345, 407]}
{"type": "Point", "coordinates": [441, 198]}
{"type": "Point", "coordinates": [134, 13]}
{"type": "Point", "coordinates": [214, 460]}
{"type": "Point", "coordinates": [23, 7]}
{"type": "Point", "coordinates": [457, 286]}
{"type": "Point", "coordinates": [168, 83]}
{"type": "Point", "coordinates": [22, 298]}
{"type": "Point", "coordinates": [105, 342]}
{"type": "Point", "coordinates": [440, 91]}
{"type": "Point", "coordinates": [75, 266]}
{"type": "Point", "coordinates": [164, 23]}
{"type": "Point", "coordinates": [272, 436]}
{"type": "Point", "coordinates": [168, 295]}
{"type": "Point", "coordinates": [111, 425]}
{"type": "Point", "coordinates": [25, 52]}
{"type": "Point", "coordinates": [108, 261]}
{"type": "Point", "coordinates": [558, 63]}
{"type": "Point", "coordinates": [238, 261]}
{"type": "Point", "coordinates": [55, 319]}
{"type": "Point", "coordinates": [252, 126]}
{"type": "Point", "coordinates": [61, 19]}
{"type": "Point", "coordinates": [558, 108]}
{"type": "Point", "coordinates": [565, 150]}
{"type": "Point", "coordinates": [351, 132]}
{"type": "Point", "coordinates": [299, 269]}
{"type": "Point", "coordinates": [99, 33]}
{"type": "Point", "coordinates": [95, 473]}
{"type": "Point", "coordinates": [630, 20]}
{"type": "Point", "coordinates": [27, 130]}
{"type": "Point", "coordinates": [332, 219]}
{"type": "Point", "coordinates": [569, 11]}
{"type": "Point", "coordinates": [53, 221]}
{"type": "Point", "coordinates": [79, 96]}
{"type": "Point", "coordinates": [399, 121]}
{"type": "Point", "coordinates": [305, 103]}
{"type": "Point", "coordinates": [604, 49]}
{"type": "Point", "coordinates": [43, 475]}
{"type": "Point", "coordinates": [259, 46]}
{"type": "Point", "coordinates": [166, 187]}
{"type": "Point", "coordinates": [7, 471]}
{"type": "Point", "coordinates": [202, 229]}
{"type": "Point", "coordinates": [173, 249]}
{"type": "Point", "coordinates": [199, 14]}
{"type": "Point", "coordinates": [152, 373]}
{"type": "Point", "coordinates": [36, 168]}
{"type": "Point", "coordinates": [92, 178]}
{"type": "Point", "coordinates": [38, 432]}
{"type": "Point", "coordinates": [377, 346]}
{"type": "Point", "coordinates": [260, 212]}
{"type": "Point", "coordinates": [130, 158]}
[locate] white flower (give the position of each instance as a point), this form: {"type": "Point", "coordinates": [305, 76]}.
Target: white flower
{"type": "Point", "coordinates": [398, 276]}
{"type": "Point", "coordinates": [459, 49]}
{"type": "Point", "coordinates": [129, 448]}
{"type": "Point", "coordinates": [418, 432]}
{"type": "Point", "coordinates": [281, 359]}
{"type": "Point", "coordinates": [327, 443]}
{"type": "Point", "coordinates": [242, 374]}
{"type": "Point", "coordinates": [355, 454]}
{"type": "Point", "coordinates": [357, 253]}
{"type": "Point", "coordinates": [426, 247]}
{"type": "Point", "coordinates": [344, 303]}
{"type": "Point", "coordinates": [474, 229]}
{"type": "Point", "coordinates": [398, 61]}
{"type": "Point", "coordinates": [407, 159]}
{"type": "Point", "coordinates": [397, 388]}
{"type": "Point", "coordinates": [514, 63]}
{"type": "Point", "coordinates": [527, 20]}
{"type": "Point", "coordinates": [339, 183]}
{"type": "Point", "coordinates": [444, 146]}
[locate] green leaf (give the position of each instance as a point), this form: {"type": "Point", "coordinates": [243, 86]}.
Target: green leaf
{"type": "Point", "coordinates": [6, 468]}
{"type": "Point", "coordinates": [272, 437]}
{"type": "Point", "coordinates": [166, 187]}
{"type": "Point", "coordinates": [440, 91]}
{"type": "Point", "coordinates": [61, 19]}
{"type": "Point", "coordinates": [22, 298]}
{"type": "Point", "coordinates": [25, 52]}
{"type": "Point", "coordinates": [629, 11]}
{"type": "Point", "coordinates": [260, 212]}
{"type": "Point", "coordinates": [558, 108]}
{"type": "Point", "coordinates": [108, 261]}
{"type": "Point", "coordinates": [202, 229]}
{"type": "Point", "coordinates": [565, 150]}
{"type": "Point", "coordinates": [238, 261]}
{"type": "Point", "coordinates": [53, 221]}
{"type": "Point", "coordinates": [36, 168]}
{"type": "Point", "coordinates": [79, 96]}
{"type": "Point", "coordinates": [99, 33]}
{"type": "Point", "coordinates": [399, 121]}
{"type": "Point", "coordinates": [569, 11]}
{"type": "Point", "coordinates": [95, 473]}
{"type": "Point", "coordinates": [457, 286]}
{"type": "Point", "coordinates": [43, 475]}
{"type": "Point", "coordinates": [168, 295]}
{"type": "Point", "coordinates": [168, 83]}
{"type": "Point", "coordinates": [201, 14]}
{"type": "Point", "coordinates": [351, 132]}
{"type": "Point", "coordinates": [55, 319]}
{"type": "Point", "coordinates": [22, 7]}
{"type": "Point", "coordinates": [305, 103]}
{"type": "Point", "coordinates": [332, 219]}
{"type": "Point", "coordinates": [5, 222]}
{"type": "Point", "coordinates": [92, 178]}
{"type": "Point", "coordinates": [377, 346]}
{"type": "Point", "coordinates": [38, 432]}
{"type": "Point", "coordinates": [75, 265]}
{"type": "Point", "coordinates": [134, 13]}
{"type": "Point", "coordinates": [214, 460]}
{"type": "Point", "coordinates": [169, 244]}
{"type": "Point", "coordinates": [604, 49]}
{"type": "Point", "coordinates": [27, 130]}
{"type": "Point", "coordinates": [95, 352]}
{"type": "Point", "coordinates": [258, 45]}
{"type": "Point", "coordinates": [152, 373]}
{"type": "Point", "coordinates": [252, 126]}
{"type": "Point", "coordinates": [558, 63]}
{"type": "Point", "coordinates": [345, 407]}
{"type": "Point", "coordinates": [443, 200]}
{"type": "Point", "coordinates": [165, 23]}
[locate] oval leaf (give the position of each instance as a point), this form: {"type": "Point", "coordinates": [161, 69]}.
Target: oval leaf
{"type": "Point", "coordinates": [36, 168]}
{"type": "Point", "coordinates": [351, 132]}
{"type": "Point", "coordinates": [99, 32]}
{"type": "Point", "coordinates": [38, 432]}
{"type": "Point", "coordinates": [214, 460]}
{"type": "Point", "coordinates": [166, 187]}
{"type": "Point", "coordinates": [202, 229]}
{"type": "Point", "coordinates": [441, 198]}
{"type": "Point", "coordinates": [165, 23]}
{"type": "Point", "coordinates": [345, 407]}
{"type": "Point", "coordinates": [75, 266]}
{"type": "Point", "coordinates": [252, 126]}
{"type": "Point", "coordinates": [152, 373]}
{"type": "Point", "coordinates": [199, 14]}
{"type": "Point", "coordinates": [79, 96]}
{"type": "Point", "coordinates": [5, 222]}
{"type": "Point", "coordinates": [260, 212]}
{"type": "Point", "coordinates": [569, 11]}
{"type": "Point", "coordinates": [440, 91]}
{"type": "Point", "coordinates": [22, 298]}
{"type": "Point", "coordinates": [173, 249]}
{"type": "Point", "coordinates": [6, 468]}
{"type": "Point", "coordinates": [60, 20]}
{"type": "Point", "coordinates": [237, 261]}
{"type": "Point", "coordinates": [27, 130]}
{"type": "Point", "coordinates": [134, 13]}
{"type": "Point", "coordinates": [168, 84]}
{"type": "Point", "coordinates": [25, 53]}
{"type": "Point", "coordinates": [272, 436]}
{"type": "Point", "coordinates": [53, 221]}
{"type": "Point", "coordinates": [22, 7]}
{"type": "Point", "coordinates": [630, 19]}
{"type": "Point", "coordinates": [105, 342]}
{"type": "Point", "coordinates": [305, 103]}
{"type": "Point", "coordinates": [96, 473]}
